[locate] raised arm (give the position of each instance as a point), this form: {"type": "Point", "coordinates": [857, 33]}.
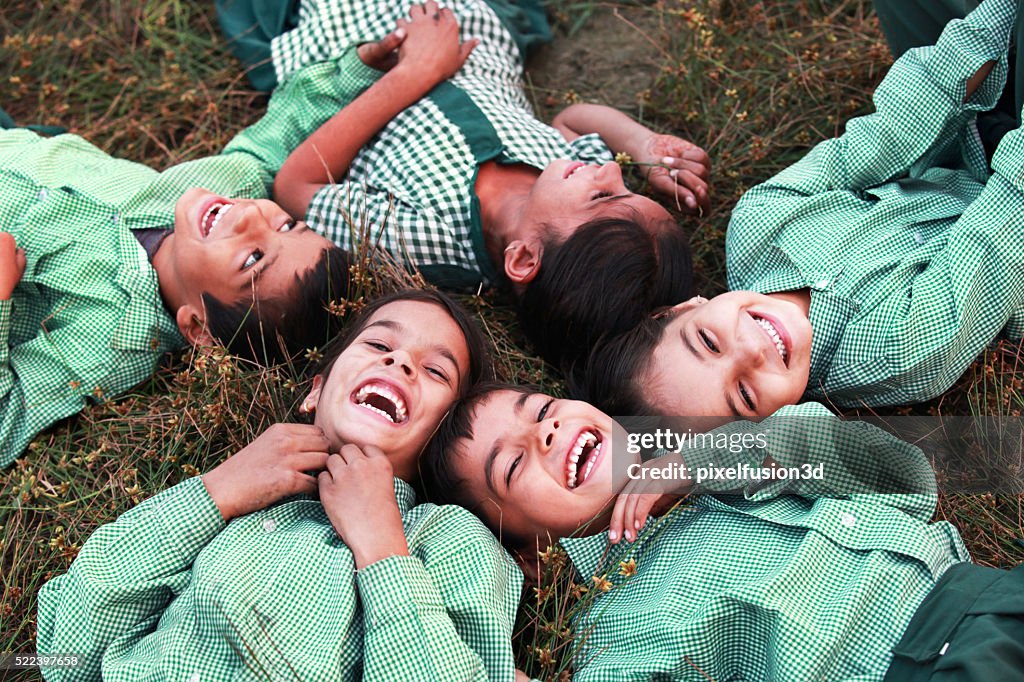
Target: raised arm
{"type": "Point", "coordinates": [430, 53]}
{"type": "Point", "coordinates": [676, 167]}
{"type": "Point", "coordinates": [924, 101]}
{"type": "Point", "coordinates": [452, 623]}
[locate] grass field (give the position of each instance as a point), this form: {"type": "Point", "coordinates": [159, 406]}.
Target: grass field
{"type": "Point", "coordinates": [755, 83]}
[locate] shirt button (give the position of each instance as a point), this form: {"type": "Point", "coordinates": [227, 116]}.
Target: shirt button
{"type": "Point", "coordinates": [269, 525]}
{"type": "Point", "coordinates": [43, 194]}
{"type": "Point", "coordinates": [821, 284]}
{"type": "Point", "coordinates": [919, 238]}
{"type": "Point", "coordinates": [115, 217]}
{"type": "Point", "coordinates": [848, 519]}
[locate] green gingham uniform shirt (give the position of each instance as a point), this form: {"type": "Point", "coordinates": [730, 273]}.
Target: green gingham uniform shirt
{"type": "Point", "coordinates": [169, 592]}
{"type": "Point", "coordinates": [912, 251]}
{"type": "Point", "coordinates": [87, 321]}
{"type": "Point", "coordinates": [800, 581]}
{"type": "Point", "coordinates": [412, 186]}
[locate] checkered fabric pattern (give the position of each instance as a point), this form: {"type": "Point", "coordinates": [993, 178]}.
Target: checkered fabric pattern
{"type": "Point", "coordinates": [786, 583]}
{"type": "Point", "coordinates": [168, 592]}
{"type": "Point", "coordinates": [86, 321]}
{"type": "Point", "coordinates": [910, 247]}
{"type": "Point", "coordinates": [412, 185]}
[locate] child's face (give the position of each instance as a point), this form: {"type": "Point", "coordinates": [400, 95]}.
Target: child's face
{"type": "Point", "coordinates": [520, 464]}
{"type": "Point", "coordinates": [393, 384]}
{"type": "Point", "coordinates": [570, 193]}
{"type": "Point", "coordinates": [221, 246]}
{"type": "Point", "coordinates": [739, 354]}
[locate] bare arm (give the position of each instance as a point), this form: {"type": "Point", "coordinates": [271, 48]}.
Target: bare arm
{"type": "Point", "coordinates": [676, 167]}
{"type": "Point", "coordinates": [429, 54]}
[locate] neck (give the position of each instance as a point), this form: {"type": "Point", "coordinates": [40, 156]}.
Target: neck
{"type": "Point", "coordinates": [503, 192]}
{"type": "Point", "coordinates": [800, 297]}
{"type": "Point", "coordinates": [161, 263]}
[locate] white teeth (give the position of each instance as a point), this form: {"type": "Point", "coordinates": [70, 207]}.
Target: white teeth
{"type": "Point", "coordinates": [584, 440]}
{"type": "Point", "coordinates": [384, 392]}
{"type": "Point", "coordinates": [217, 211]}
{"type": "Point", "coordinates": [768, 327]}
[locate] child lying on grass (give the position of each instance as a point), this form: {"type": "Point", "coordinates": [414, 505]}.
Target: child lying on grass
{"type": "Point", "coordinates": [228, 574]}
{"type": "Point", "coordinates": [839, 578]}
{"type": "Point", "coordinates": [872, 272]}
{"type": "Point", "coordinates": [469, 186]}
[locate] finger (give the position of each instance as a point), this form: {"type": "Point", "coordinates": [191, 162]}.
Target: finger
{"type": "Point", "coordinates": [391, 41]}
{"type": "Point", "coordinates": [336, 465]}
{"type": "Point", "coordinates": [643, 509]}
{"type": "Point", "coordinates": [688, 179]}
{"type": "Point", "coordinates": [324, 479]}
{"type": "Point", "coordinates": [7, 245]}
{"type": "Point", "coordinates": [309, 461]}
{"type": "Point", "coordinates": [615, 526]}
{"type": "Point", "coordinates": [667, 185]}
{"type": "Point", "coordinates": [630, 517]}
{"type": "Point", "coordinates": [372, 451]}
{"type": "Point", "coordinates": [19, 260]}
{"type": "Point", "coordinates": [430, 8]}
{"type": "Point", "coordinates": [466, 49]}
{"type": "Point", "coordinates": [304, 483]}
{"type": "Point", "coordinates": [417, 11]}
{"type": "Point", "coordinates": [350, 452]}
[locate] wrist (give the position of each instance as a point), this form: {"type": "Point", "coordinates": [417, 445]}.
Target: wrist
{"type": "Point", "coordinates": [218, 490]}
{"type": "Point", "coordinates": [368, 555]}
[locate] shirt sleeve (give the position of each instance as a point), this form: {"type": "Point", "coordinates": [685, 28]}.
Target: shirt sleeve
{"type": "Point", "coordinates": [125, 576]}
{"type": "Point", "coordinates": [451, 620]}
{"type": "Point", "coordinates": [919, 115]}
{"type": "Point", "coordinates": [300, 105]}
{"type": "Point", "coordinates": [806, 450]}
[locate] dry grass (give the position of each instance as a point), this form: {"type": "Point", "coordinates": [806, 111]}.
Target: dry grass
{"type": "Point", "coordinates": [756, 83]}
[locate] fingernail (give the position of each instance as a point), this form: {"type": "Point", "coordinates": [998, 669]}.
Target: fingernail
{"type": "Point", "coordinates": [613, 536]}
{"type": "Point", "coordinates": [690, 202]}
{"type": "Point", "coordinates": [400, 33]}
{"type": "Point", "coordinates": [629, 536]}
{"type": "Point", "coordinates": [673, 173]}
{"type": "Point", "coordinates": [636, 524]}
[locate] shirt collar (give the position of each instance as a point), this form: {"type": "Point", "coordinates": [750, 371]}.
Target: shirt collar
{"type": "Point", "coordinates": [405, 496]}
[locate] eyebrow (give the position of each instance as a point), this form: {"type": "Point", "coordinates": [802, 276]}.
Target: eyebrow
{"type": "Point", "coordinates": [492, 456]}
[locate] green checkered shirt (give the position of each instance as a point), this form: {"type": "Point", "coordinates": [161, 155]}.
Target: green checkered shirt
{"type": "Point", "coordinates": [86, 321]}
{"type": "Point", "coordinates": [912, 251]}
{"type": "Point", "coordinates": [412, 185]}
{"type": "Point", "coordinates": [797, 581]}
{"type": "Point", "coordinates": [169, 592]}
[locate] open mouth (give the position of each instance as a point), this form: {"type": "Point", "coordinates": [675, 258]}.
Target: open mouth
{"type": "Point", "coordinates": [383, 400]}
{"type": "Point", "coordinates": [572, 168]}
{"type": "Point", "coordinates": [581, 458]}
{"type": "Point", "coordinates": [775, 335]}
{"type": "Point", "coordinates": [213, 216]}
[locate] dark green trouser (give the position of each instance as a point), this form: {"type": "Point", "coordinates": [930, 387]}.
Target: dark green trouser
{"type": "Point", "coordinates": [912, 23]}
{"type": "Point", "coordinates": [969, 627]}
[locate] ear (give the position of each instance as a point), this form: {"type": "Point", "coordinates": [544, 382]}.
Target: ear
{"type": "Point", "coordinates": [522, 260]}
{"type": "Point", "coordinates": [694, 302]}
{"type": "Point", "coordinates": [313, 397]}
{"type": "Point", "coordinates": [192, 324]}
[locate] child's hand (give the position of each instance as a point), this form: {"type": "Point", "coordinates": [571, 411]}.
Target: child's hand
{"type": "Point", "coordinates": [270, 468]}
{"type": "Point", "coordinates": [681, 170]}
{"type": "Point", "coordinates": [431, 50]}
{"type": "Point", "coordinates": [358, 494]}
{"type": "Point", "coordinates": [12, 265]}
{"type": "Point", "coordinates": [641, 498]}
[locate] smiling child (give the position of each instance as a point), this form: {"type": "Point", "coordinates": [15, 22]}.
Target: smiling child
{"type": "Point", "coordinates": [228, 572]}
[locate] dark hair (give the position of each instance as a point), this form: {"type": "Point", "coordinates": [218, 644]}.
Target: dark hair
{"type": "Point", "coordinates": [610, 378]}
{"type": "Point", "coordinates": [440, 482]}
{"type": "Point", "coordinates": [603, 280]}
{"type": "Point", "coordinates": [274, 329]}
{"type": "Point", "coordinates": [479, 356]}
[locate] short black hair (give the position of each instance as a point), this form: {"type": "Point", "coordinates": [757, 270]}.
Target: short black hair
{"type": "Point", "coordinates": [272, 330]}
{"type": "Point", "coordinates": [610, 379]}
{"type": "Point", "coordinates": [480, 366]}
{"type": "Point", "coordinates": [603, 280]}
{"type": "Point", "coordinates": [437, 475]}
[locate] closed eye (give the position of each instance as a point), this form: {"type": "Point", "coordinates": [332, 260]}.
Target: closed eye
{"type": "Point", "coordinates": [439, 374]}
{"type": "Point", "coordinates": [254, 258]}
{"type": "Point", "coordinates": [747, 399]}
{"type": "Point", "coordinates": [707, 341]}
{"type": "Point", "coordinates": [511, 470]}
{"type": "Point", "coordinates": [377, 345]}
{"type": "Point", "coordinates": [544, 410]}
{"type": "Point", "coordinates": [599, 195]}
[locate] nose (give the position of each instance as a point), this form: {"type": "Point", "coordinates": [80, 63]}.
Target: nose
{"type": "Point", "coordinates": [403, 362]}
{"type": "Point", "coordinates": [547, 430]}
{"type": "Point", "coordinates": [749, 351]}
{"type": "Point", "coordinates": [249, 217]}
{"type": "Point", "coordinates": [610, 174]}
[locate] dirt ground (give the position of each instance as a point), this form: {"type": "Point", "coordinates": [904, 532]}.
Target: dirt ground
{"type": "Point", "coordinates": [611, 58]}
